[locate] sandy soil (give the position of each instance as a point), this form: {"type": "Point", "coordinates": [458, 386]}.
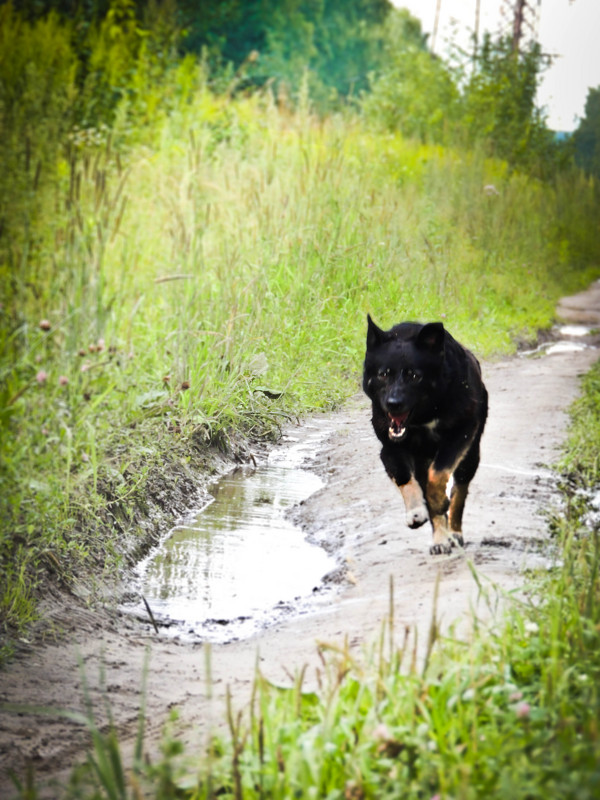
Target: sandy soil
{"type": "Point", "coordinates": [358, 514]}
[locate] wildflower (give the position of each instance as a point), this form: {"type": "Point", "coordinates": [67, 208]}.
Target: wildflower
{"type": "Point", "coordinates": [85, 457]}
{"type": "Point", "coordinates": [490, 190]}
{"type": "Point", "coordinates": [381, 732]}
{"type": "Point", "coordinates": [166, 378]}
{"type": "Point", "coordinates": [45, 324]}
{"type": "Point", "coordinates": [86, 366]}
{"type": "Point", "coordinates": [92, 348]}
{"type": "Point", "coordinates": [82, 352]}
{"type": "Point", "coordinates": [185, 385]}
{"type": "Point", "coordinates": [63, 380]}
{"type": "Point", "coordinates": [531, 627]}
{"type": "Point", "coordinates": [41, 377]}
{"type": "Point", "coordinates": [515, 696]}
{"type": "Point", "coordinates": [523, 710]}
{"type": "Point", "coordinates": [100, 345]}
{"type": "Point", "coordinates": [45, 432]}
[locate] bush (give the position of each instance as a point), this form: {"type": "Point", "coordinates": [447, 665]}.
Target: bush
{"type": "Point", "coordinates": [37, 89]}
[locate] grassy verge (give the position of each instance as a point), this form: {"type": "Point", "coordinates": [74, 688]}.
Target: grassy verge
{"type": "Point", "coordinates": [514, 714]}
{"type": "Point", "coordinates": [196, 281]}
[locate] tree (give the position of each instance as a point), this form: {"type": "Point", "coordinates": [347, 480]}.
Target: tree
{"type": "Point", "coordinates": [337, 41]}
{"type": "Point", "coordinates": [586, 138]}
{"type": "Point", "coordinates": [349, 41]}
{"type": "Point", "coordinates": [228, 29]}
{"type": "Point", "coordinates": [413, 91]}
{"type": "Point", "coordinates": [498, 104]}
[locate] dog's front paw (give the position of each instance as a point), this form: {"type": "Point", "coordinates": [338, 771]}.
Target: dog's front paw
{"type": "Point", "coordinates": [441, 548]}
{"type": "Point", "coordinates": [417, 516]}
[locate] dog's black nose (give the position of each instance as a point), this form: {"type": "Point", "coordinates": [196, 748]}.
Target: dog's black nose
{"type": "Point", "coordinates": [396, 404]}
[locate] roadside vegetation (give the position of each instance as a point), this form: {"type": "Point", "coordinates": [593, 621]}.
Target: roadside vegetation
{"type": "Point", "coordinates": [190, 241]}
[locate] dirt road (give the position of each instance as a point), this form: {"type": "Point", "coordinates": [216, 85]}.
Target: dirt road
{"type": "Point", "coordinates": [359, 515]}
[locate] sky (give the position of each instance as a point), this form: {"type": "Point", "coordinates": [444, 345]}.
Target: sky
{"type": "Point", "coordinates": [569, 30]}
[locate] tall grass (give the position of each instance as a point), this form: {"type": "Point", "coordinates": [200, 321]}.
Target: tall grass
{"type": "Point", "coordinates": [202, 276]}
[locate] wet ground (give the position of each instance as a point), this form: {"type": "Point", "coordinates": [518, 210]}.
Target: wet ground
{"type": "Point", "coordinates": [350, 517]}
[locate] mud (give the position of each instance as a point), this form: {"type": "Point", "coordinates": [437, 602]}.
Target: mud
{"type": "Point", "coordinates": [358, 518]}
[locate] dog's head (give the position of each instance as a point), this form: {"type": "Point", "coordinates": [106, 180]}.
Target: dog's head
{"type": "Point", "coordinates": [402, 372]}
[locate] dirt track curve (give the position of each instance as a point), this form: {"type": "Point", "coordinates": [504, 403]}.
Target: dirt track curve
{"type": "Point", "coordinates": [360, 515]}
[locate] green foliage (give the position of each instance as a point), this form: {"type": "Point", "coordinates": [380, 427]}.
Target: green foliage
{"type": "Point", "coordinates": [289, 46]}
{"type": "Point", "coordinates": [499, 103]}
{"type": "Point", "coordinates": [349, 38]}
{"type": "Point", "coordinates": [337, 41]}
{"type": "Point", "coordinates": [229, 30]}
{"type": "Point", "coordinates": [490, 104]}
{"type": "Point", "coordinates": [582, 460]}
{"type": "Point", "coordinates": [114, 45]}
{"type": "Point", "coordinates": [413, 92]}
{"type": "Point", "coordinates": [587, 136]}
{"type": "Point", "coordinates": [37, 90]}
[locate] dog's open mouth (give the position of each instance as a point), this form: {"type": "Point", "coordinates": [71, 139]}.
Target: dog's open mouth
{"type": "Point", "coordinates": [397, 427]}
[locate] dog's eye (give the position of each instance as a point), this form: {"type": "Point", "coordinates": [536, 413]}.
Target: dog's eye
{"type": "Point", "coordinates": [384, 373]}
{"type": "Point", "coordinates": [411, 375]}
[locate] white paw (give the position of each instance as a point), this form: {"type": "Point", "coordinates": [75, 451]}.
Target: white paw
{"type": "Point", "coordinates": [417, 516]}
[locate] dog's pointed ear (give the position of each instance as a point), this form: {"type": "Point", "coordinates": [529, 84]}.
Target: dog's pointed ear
{"type": "Point", "coordinates": [374, 334]}
{"type": "Point", "coordinates": [431, 337]}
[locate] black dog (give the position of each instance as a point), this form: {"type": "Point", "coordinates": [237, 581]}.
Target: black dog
{"type": "Point", "coordinates": [429, 411]}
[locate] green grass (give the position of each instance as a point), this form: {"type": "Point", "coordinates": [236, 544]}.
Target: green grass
{"type": "Point", "coordinates": [512, 714]}
{"type": "Point", "coordinates": [197, 280]}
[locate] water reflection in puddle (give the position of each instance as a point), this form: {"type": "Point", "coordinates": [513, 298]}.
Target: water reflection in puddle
{"type": "Point", "coordinates": [568, 344]}
{"type": "Point", "coordinates": [574, 330]}
{"type": "Point", "coordinates": [564, 347]}
{"type": "Point", "coordinates": [222, 573]}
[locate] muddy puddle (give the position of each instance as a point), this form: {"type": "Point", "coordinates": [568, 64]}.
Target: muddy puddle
{"type": "Point", "coordinates": [239, 563]}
